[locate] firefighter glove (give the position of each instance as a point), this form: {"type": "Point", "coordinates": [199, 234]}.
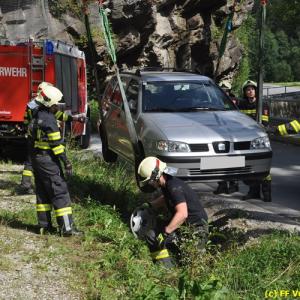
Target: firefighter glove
{"type": "Point", "coordinates": [82, 119]}
{"type": "Point", "coordinates": [164, 238]}
{"type": "Point", "coordinates": [68, 169]}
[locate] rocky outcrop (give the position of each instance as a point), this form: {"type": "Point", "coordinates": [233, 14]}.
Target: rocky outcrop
{"type": "Point", "coordinates": [182, 34]}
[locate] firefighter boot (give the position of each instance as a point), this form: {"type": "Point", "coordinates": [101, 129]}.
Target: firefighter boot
{"type": "Point", "coordinates": [67, 226]}
{"type": "Point", "coordinates": [162, 257]}
{"type": "Point", "coordinates": [26, 184]}
{"type": "Point", "coordinates": [233, 187]}
{"type": "Point", "coordinates": [254, 192]}
{"type": "Point", "coordinates": [266, 191]}
{"type": "Point", "coordinates": [222, 188]}
{"type": "Point", "coordinates": [48, 230]}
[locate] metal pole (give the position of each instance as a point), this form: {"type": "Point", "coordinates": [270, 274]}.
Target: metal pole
{"type": "Point", "coordinates": [261, 61]}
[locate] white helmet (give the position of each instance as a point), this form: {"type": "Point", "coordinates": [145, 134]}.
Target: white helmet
{"type": "Point", "coordinates": [49, 96]}
{"type": "Point", "coordinates": [151, 168]}
{"type": "Point", "coordinates": [42, 85]}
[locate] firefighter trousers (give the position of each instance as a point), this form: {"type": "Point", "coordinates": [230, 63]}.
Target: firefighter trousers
{"type": "Point", "coordinates": [27, 173]}
{"type": "Point", "coordinates": [256, 187]}
{"type": "Point", "coordinates": [170, 250]}
{"type": "Point", "coordinates": [51, 190]}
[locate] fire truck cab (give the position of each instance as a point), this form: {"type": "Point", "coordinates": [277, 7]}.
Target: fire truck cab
{"type": "Point", "coordinates": [23, 66]}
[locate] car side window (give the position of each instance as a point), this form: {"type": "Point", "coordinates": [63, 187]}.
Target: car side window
{"type": "Point", "coordinates": [117, 96]}
{"type": "Point", "coordinates": [107, 96]}
{"type": "Point", "coordinates": [132, 94]}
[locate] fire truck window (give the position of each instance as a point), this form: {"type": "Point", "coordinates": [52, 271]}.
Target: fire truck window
{"type": "Point", "coordinates": [58, 73]}
{"type": "Point", "coordinates": [67, 80]}
{"type": "Point", "coordinates": [74, 85]}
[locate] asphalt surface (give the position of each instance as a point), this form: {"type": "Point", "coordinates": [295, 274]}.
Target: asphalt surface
{"type": "Point", "coordinates": [285, 177]}
{"type": "Point", "coordinates": [273, 89]}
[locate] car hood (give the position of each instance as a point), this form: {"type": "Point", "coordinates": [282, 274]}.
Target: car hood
{"type": "Point", "coordinates": [208, 126]}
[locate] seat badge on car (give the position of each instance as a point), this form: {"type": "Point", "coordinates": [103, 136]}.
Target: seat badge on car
{"type": "Point", "coordinates": [221, 147]}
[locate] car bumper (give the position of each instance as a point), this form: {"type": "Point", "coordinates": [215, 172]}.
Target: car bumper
{"type": "Point", "coordinates": [257, 165]}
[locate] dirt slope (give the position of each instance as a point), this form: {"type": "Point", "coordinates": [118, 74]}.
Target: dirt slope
{"type": "Point", "coordinates": [31, 266]}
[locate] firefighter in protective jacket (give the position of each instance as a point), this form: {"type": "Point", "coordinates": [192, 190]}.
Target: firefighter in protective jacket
{"type": "Point", "coordinates": [48, 154]}
{"type": "Point", "coordinates": [32, 106]}
{"type": "Point", "coordinates": [292, 127]}
{"type": "Point", "coordinates": [180, 201]}
{"type": "Point", "coordinates": [248, 105]}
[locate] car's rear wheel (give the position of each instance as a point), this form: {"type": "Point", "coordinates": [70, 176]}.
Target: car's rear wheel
{"type": "Point", "coordinates": [108, 155]}
{"type": "Point", "coordinates": [138, 178]}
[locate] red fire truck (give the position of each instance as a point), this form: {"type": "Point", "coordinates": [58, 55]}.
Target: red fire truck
{"type": "Point", "coordinates": [23, 66]}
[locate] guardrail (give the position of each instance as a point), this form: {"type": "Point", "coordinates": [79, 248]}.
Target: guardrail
{"type": "Point", "coordinates": [285, 106]}
{"type": "Point", "coordinates": [280, 90]}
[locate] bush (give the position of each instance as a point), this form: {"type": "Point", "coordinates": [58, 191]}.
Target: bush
{"type": "Point", "coordinates": [94, 107]}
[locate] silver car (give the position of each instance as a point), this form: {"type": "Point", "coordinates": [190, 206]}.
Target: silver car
{"type": "Point", "coordinates": [187, 121]}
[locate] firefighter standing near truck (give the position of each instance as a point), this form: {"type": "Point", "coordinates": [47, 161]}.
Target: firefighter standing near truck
{"type": "Point", "coordinates": [48, 154]}
{"type": "Point", "coordinates": [32, 106]}
{"type": "Point", "coordinates": [179, 200]}
{"type": "Point", "coordinates": [248, 105]}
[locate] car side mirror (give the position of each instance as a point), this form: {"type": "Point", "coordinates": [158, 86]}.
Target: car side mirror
{"type": "Point", "coordinates": [132, 105]}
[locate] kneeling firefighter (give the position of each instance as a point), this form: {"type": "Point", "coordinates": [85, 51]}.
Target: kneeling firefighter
{"type": "Point", "coordinates": [47, 155]}
{"type": "Point", "coordinates": [179, 200]}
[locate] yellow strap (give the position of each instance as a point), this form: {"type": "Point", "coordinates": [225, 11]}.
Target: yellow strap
{"type": "Point", "coordinates": [265, 118]}
{"type": "Point", "coordinates": [248, 111]}
{"type": "Point", "coordinates": [54, 136]}
{"type": "Point", "coordinates": [282, 129]}
{"type": "Point", "coordinates": [27, 173]}
{"type": "Point", "coordinates": [63, 211]}
{"type": "Point", "coordinates": [58, 149]}
{"type": "Point", "coordinates": [296, 125]}
{"type": "Point", "coordinates": [43, 207]}
{"type": "Point", "coordinates": [41, 145]}
{"type": "Point", "coordinates": [65, 117]}
{"type": "Point", "coordinates": [58, 114]}
{"type": "Point", "coordinates": [161, 254]}
{"type": "Point", "coordinates": [268, 178]}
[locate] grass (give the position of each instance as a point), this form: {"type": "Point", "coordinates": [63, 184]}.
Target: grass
{"type": "Point", "coordinates": [112, 264]}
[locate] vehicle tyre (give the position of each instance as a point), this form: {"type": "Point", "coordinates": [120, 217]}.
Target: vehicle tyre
{"type": "Point", "coordinates": [108, 155]}
{"type": "Point", "coordinates": [138, 178]}
{"type": "Point", "coordinates": [86, 139]}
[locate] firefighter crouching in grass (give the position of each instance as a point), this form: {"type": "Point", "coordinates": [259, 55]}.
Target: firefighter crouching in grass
{"type": "Point", "coordinates": [180, 201]}
{"type": "Point", "coordinates": [47, 155]}
{"type": "Point", "coordinates": [32, 106]}
{"type": "Point", "coordinates": [248, 105]}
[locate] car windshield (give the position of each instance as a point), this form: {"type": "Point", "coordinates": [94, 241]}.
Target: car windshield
{"type": "Point", "coordinates": [166, 96]}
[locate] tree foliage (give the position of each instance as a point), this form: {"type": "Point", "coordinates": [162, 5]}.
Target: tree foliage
{"type": "Point", "coordinates": [282, 41]}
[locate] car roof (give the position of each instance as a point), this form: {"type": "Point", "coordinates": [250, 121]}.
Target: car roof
{"type": "Point", "coordinates": [170, 76]}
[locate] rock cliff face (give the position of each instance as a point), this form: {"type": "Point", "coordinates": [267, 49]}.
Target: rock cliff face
{"type": "Point", "coordinates": [184, 34]}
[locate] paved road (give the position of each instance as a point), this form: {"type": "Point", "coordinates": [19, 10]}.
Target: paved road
{"type": "Point", "coordinates": [273, 89]}
{"type": "Point", "coordinates": [285, 174]}
{"type": "Point", "coordinates": [285, 178]}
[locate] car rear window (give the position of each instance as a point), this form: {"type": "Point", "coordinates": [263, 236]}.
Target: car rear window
{"type": "Point", "coordinates": [166, 96]}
